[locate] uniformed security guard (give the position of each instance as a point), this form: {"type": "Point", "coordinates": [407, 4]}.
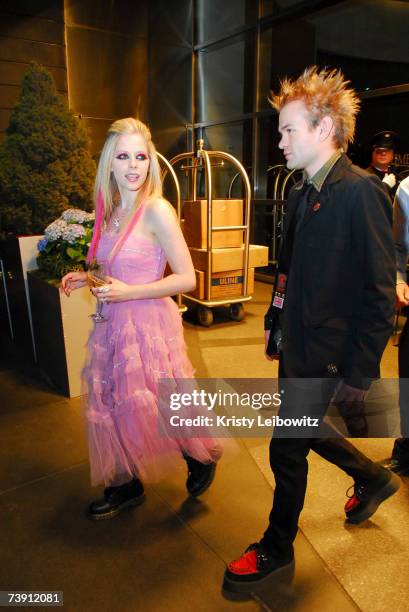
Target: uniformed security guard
{"type": "Point", "coordinates": [384, 145]}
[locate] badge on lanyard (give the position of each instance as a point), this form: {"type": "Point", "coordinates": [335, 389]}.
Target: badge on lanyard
{"type": "Point", "coordinates": [279, 293]}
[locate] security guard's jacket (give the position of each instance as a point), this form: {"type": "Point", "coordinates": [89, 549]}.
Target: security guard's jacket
{"type": "Point", "coordinates": [339, 301]}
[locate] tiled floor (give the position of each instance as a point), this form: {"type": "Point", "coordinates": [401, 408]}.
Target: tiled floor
{"type": "Point", "coordinates": [169, 554]}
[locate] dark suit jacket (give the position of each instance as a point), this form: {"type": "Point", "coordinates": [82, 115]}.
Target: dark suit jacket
{"type": "Point", "coordinates": [389, 190]}
{"type": "Point", "coordinates": [339, 305]}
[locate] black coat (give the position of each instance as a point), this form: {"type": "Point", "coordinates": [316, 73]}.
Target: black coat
{"type": "Point", "coordinates": [339, 306]}
{"type": "Point", "coordinates": [381, 175]}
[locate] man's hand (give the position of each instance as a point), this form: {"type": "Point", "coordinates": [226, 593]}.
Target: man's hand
{"type": "Point", "coordinates": [390, 180]}
{"type": "Point", "coordinates": [346, 393]}
{"type": "Point", "coordinates": [402, 295]}
{"type": "Point", "coordinates": [351, 407]}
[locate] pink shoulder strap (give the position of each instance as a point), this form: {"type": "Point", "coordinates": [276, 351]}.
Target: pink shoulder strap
{"type": "Point", "coordinates": [119, 243]}
{"type": "Point", "coordinates": [96, 235]}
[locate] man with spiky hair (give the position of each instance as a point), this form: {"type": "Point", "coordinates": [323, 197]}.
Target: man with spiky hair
{"type": "Point", "coordinates": [331, 312]}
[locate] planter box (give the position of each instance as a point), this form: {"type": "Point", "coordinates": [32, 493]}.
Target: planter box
{"type": "Point", "coordinates": [61, 327]}
{"type": "Point", "coordinates": [18, 255]}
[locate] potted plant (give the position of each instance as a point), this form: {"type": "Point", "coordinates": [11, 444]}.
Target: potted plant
{"type": "Point", "coordinates": [45, 168]}
{"type": "Point", "coordinates": [61, 325]}
{"type": "Point", "coordinates": [65, 244]}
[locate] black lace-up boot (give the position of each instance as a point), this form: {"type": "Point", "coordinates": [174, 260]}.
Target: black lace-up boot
{"type": "Point", "coordinates": [117, 499]}
{"type": "Point", "coordinates": [200, 475]}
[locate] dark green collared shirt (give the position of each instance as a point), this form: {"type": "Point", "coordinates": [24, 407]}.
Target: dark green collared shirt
{"type": "Point", "coordinates": [319, 177]}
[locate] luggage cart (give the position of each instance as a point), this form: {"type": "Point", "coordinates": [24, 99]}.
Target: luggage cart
{"type": "Point", "coordinates": [202, 159]}
{"type": "Point", "coordinates": [169, 168]}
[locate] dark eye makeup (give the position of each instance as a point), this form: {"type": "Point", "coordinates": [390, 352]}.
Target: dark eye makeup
{"type": "Point", "coordinates": [139, 156]}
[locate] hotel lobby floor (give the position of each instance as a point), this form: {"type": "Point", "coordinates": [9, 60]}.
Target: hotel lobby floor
{"type": "Point", "coordinates": [169, 554]}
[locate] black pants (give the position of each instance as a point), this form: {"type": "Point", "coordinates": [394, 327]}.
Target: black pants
{"type": "Point", "coordinates": [401, 446]}
{"type": "Point", "coordinates": [288, 461]}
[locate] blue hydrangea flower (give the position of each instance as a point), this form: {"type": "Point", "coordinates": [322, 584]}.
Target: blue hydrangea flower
{"type": "Point", "coordinates": [55, 230]}
{"type": "Point", "coordinates": [76, 215]}
{"type": "Point", "coordinates": [72, 232]}
{"type": "Point", "coordinates": [42, 244]}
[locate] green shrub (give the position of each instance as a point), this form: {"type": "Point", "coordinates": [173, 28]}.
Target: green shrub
{"type": "Point", "coordinates": [45, 164]}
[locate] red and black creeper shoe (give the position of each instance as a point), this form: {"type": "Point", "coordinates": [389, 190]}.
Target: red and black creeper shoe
{"type": "Point", "coordinates": [367, 496]}
{"type": "Point", "coordinates": [254, 568]}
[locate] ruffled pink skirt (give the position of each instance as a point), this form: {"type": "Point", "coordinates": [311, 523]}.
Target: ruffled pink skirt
{"type": "Point", "coordinates": [129, 356]}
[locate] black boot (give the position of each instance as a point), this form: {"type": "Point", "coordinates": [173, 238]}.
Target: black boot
{"type": "Point", "coordinates": [200, 475]}
{"type": "Point", "coordinates": [399, 461]}
{"type": "Point", "coordinates": [367, 496]}
{"type": "Point", "coordinates": [396, 464]}
{"type": "Point", "coordinates": [117, 499]}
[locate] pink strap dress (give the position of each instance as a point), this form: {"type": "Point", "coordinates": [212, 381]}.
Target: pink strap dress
{"type": "Point", "coordinates": [140, 344]}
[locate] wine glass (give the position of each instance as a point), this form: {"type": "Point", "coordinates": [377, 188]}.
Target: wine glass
{"type": "Point", "coordinates": [97, 278]}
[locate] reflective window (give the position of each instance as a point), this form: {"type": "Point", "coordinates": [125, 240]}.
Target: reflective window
{"type": "Point", "coordinates": [215, 19]}
{"type": "Point", "coordinates": [273, 6]}
{"type": "Point", "coordinates": [378, 114]}
{"type": "Point", "coordinates": [236, 140]}
{"type": "Point", "coordinates": [275, 59]}
{"type": "Point", "coordinates": [225, 78]}
{"type": "Point", "coordinates": [375, 53]}
{"type": "Point", "coordinates": [265, 68]}
{"type": "Point", "coordinates": [235, 71]}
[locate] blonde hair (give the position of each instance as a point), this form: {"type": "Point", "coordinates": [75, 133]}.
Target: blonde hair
{"type": "Point", "coordinates": [324, 93]}
{"type": "Point", "coordinates": [105, 182]}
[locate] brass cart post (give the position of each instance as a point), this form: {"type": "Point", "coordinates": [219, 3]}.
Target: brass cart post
{"type": "Point", "coordinates": [169, 168]}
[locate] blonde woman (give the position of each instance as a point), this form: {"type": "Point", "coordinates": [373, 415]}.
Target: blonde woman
{"type": "Point", "coordinates": [141, 340]}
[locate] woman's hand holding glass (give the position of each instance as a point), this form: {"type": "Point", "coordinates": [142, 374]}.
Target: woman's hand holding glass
{"type": "Point", "coordinates": [99, 286]}
{"type": "Point", "coordinates": [114, 290]}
